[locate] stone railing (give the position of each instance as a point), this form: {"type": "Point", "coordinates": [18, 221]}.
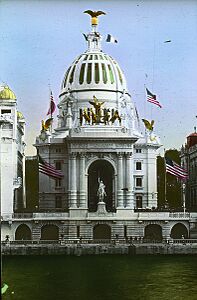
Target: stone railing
{"type": "Point", "coordinates": [22, 215]}
{"type": "Point", "coordinates": [100, 241]}
{"type": "Point", "coordinates": [180, 215]}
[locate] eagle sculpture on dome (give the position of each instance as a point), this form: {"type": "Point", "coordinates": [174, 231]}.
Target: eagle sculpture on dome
{"type": "Point", "coordinates": [94, 15]}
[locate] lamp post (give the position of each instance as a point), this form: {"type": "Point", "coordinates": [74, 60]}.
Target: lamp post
{"type": "Point", "coordinates": [183, 187]}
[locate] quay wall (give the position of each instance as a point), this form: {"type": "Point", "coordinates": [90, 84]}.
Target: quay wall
{"type": "Point", "coordinates": [99, 249]}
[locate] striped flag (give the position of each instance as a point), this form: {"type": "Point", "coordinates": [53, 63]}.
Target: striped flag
{"type": "Point", "coordinates": [152, 98]}
{"type": "Point", "coordinates": [52, 105]}
{"type": "Point", "coordinates": [174, 169]}
{"type": "Point", "coordinates": [49, 170]}
{"type": "Point", "coordinates": [111, 39]}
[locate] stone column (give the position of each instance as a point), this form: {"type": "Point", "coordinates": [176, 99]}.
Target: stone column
{"type": "Point", "coordinates": [73, 180]}
{"type": "Point", "coordinates": [129, 200]}
{"type": "Point", "coordinates": [82, 178]}
{"type": "Point", "coordinates": [120, 180]}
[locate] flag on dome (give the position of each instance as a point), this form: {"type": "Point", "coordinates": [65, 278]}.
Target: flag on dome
{"type": "Point", "coordinates": [52, 105]}
{"type": "Point", "coordinates": [111, 39]}
{"type": "Point", "coordinates": [48, 169]}
{"type": "Point", "coordinates": [174, 169]}
{"type": "Point", "coordinates": [152, 98]}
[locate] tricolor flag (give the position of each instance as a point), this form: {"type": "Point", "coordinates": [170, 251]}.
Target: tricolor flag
{"type": "Point", "coordinates": [174, 169]}
{"type": "Point", "coordinates": [49, 170]}
{"type": "Point", "coordinates": [152, 98]}
{"type": "Point", "coordinates": [111, 39]}
{"type": "Point", "coordinates": [52, 106]}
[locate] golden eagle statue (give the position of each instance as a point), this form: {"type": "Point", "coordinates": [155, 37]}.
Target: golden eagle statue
{"type": "Point", "coordinates": [94, 15]}
{"type": "Point", "coordinates": [148, 125]}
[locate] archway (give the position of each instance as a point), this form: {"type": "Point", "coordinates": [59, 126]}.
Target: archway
{"type": "Point", "coordinates": [153, 232]}
{"type": "Point", "coordinates": [179, 230]}
{"type": "Point", "coordinates": [23, 232]}
{"type": "Point", "coordinates": [101, 170]}
{"type": "Point", "coordinates": [50, 232]}
{"type": "Point", "coordinates": [102, 232]}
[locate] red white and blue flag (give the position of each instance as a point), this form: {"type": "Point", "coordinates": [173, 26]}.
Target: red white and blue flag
{"type": "Point", "coordinates": [174, 169]}
{"type": "Point", "coordinates": [52, 106]}
{"type": "Point", "coordinates": [48, 169]}
{"type": "Point", "coordinates": [152, 98]}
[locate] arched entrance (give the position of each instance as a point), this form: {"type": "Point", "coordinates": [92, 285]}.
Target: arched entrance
{"type": "Point", "coordinates": [50, 232]}
{"type": "Point", "coordinates": [101, 232]}
{"type": "Point", "coordinates": [23, 232]}
{"type": "Point", "coordinates": [153, 232]}
{"type": "Point", "coordinates": [101, 170]}
{"type": "Point", "coordinates": [178, 231]}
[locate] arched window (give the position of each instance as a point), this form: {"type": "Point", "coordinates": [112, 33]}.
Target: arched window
{"type": "Point", "coordinates": [111, 74]}
{"type": "Point", "coordinates": [119, 74]}
{"type": "Point", "coordinates": [89, 73]}
{"type": "Point", "coordinates": [81, 75]}
{"type": "Point", "coordinates": [50, 232]}
{"type": "Point", "coordinates": [178, 231]}
{"type": "Point", "coordinates": [23, 232]}
{"type": "Point", "coordinates": [66, 76]}
{"type": "Point", "coordinates": [72, 74]}
{"type": "Point", "coordinates": [96, 73]}
{"type": "Point", "coordinates": [101, 232]}
{"type": "Point", "coordinates": [104, 73]}
{"type": "Point", "coordinates": [153, 232]}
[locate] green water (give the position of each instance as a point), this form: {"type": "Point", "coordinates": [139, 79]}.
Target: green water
{"type": "Point", "coordinates": [100, 277]}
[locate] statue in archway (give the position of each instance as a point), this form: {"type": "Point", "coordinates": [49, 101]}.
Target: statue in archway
{"type": "Point", "coordinates": [101, 193]}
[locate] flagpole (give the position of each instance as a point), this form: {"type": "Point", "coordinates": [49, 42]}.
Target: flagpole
{"type": "Point", "coordinates": [183, 189]}
{"type": "Point", "coordinates": [165, 179]}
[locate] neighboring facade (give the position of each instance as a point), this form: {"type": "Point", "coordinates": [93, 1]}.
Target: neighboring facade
{"type": "Point", "coordinates": [97, 141]}
{"type": "Point", "coordinates": [12, 127]}
{"type": "Point", "coordinates": [189, 161]}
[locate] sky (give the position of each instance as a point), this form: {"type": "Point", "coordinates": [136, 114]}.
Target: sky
{"type": "Point", "coordinates": [40, 40]}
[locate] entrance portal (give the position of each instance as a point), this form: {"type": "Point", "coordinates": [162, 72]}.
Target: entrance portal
{"type": "Point", "coordinates": [178, 231]}
{"type": "Point", "coordinates": [100, 170]}
{"type": "Point", "coordinates": [102, 232]}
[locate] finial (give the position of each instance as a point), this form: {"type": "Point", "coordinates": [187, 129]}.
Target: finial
{"type": "Point", "coordinates": [94, 15]}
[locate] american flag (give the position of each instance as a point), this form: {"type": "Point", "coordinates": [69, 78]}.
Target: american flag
{"type": "Point", "coordinates": [52, 106]}
{"type": "Point", "coordinates": [174, 169]}
{"type": "Point", "coordinates": [49, 170]}
{"type": "Point", "coordinates": [152, 98]}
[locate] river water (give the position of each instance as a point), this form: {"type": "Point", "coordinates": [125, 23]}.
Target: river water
{"type": "Point", "coordinates": [104, 277]}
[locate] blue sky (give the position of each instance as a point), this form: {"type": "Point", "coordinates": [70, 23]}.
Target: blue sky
{"type": "Point", "coordinates": [40, 39]}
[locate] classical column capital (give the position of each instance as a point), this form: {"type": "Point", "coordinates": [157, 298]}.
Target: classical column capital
{"type": "Point", "coordinates": [73, 155]}
{"type": "Point", "coordinates": [128, 155]}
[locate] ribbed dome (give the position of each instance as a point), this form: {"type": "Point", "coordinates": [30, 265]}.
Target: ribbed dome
{"type": "Point", "coordinates": [94, 71]}
{"type": "Point", "coordinates": [6, 93]}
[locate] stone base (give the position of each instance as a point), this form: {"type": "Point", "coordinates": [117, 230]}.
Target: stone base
{"type": "Point", "coordinates": [101, 208]}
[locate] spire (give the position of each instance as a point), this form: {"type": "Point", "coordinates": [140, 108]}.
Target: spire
{"type": "Point", "coordinates": [94, 38]}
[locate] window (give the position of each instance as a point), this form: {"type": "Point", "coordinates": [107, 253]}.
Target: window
{"type": "Point", "coordinates": [58, 165]}
{"type": "Point", "coordinates": [104, 73]}
{"type": "Point", "coordinates": [138, 150]}
{"type": "Point", "coordinates": [78, 231]}
{"type": "Point", "coordinates": [139, 201]}
{"type": "Point", "coordinates": [90, 57]}
{"type": "Point", "coordinates": [81, 75]}
{"type": "Point", "coordinates": [58, 183]}
{"type": "Point", "coordinates": [6, 111]}
{"type": "Point", "coordinates": [72, 75]}
{"type": "Point", "coordinates": [111, 74]}
{"type": "Point", "coordinates": [95, 57]}
{"type": "Point", "coordinates": [58, 202]}
{"type": "Point", "coordinates": [138, 182]}
{"type": "Point", "coordinates": [119, 74]}
{"type": "Point", "coordinates": [101, 57]}
{"type": "Point", "coordinates": [89, 73]}
{"type": "Point", "coordinates": [66, 76]}
{"type": "Point", "coordinates": [58, 150]}
{"type": "Point", "coordinates": [85, 58]}
{"type": "Point", "coordinates": [96, 73]}
{"type": "Point", "coordinates": [138, 165]}
{"type": "Point", "coordinates": [125, 231]}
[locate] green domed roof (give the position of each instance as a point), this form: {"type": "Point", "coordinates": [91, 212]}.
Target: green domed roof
{"type": "Point", "coordinates": [7, 93]}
